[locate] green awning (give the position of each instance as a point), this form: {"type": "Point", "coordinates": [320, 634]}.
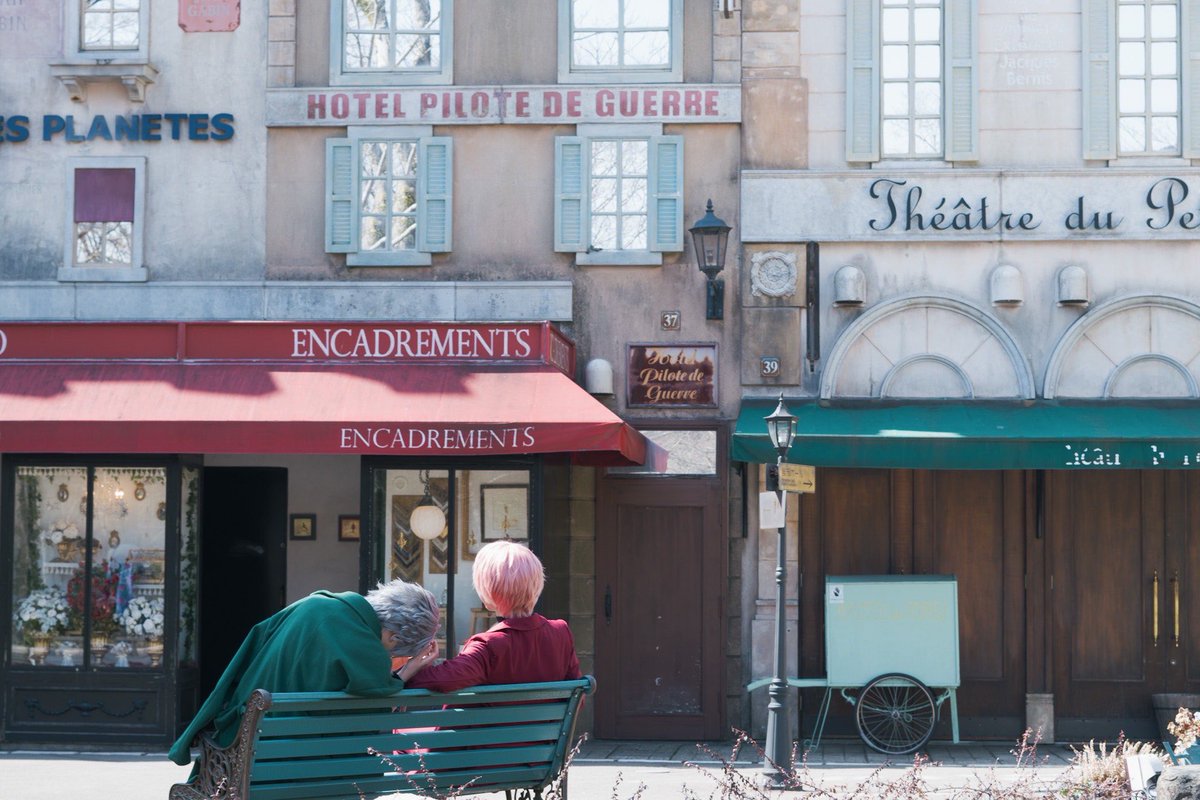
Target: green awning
{"type": "Point", "coordinates": [978, 436]}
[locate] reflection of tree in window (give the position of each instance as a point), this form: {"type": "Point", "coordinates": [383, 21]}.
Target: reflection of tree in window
{"type": "Point", "coordinates": [110, 24]}
{"type": "Point", "coordinates": [388, 196]}
{"type": "Point", "coordinates": [104, 215]}
{"type": "Point", "coordinates": [618, 188]}
{"type": "Point", "coordinates": [621, 33]}
{"type": "Point", "coordinates": [392, 34]}
{"type": "Point", "coordinates": [911, 71]}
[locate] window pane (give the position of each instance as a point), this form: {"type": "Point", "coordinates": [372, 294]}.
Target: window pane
{"type": "Point", "coordinates": [365, 14]}
{"type": "Point", "coordinates": [595, 49]}
{"type": "Point", "coordinates": [647, 13]}
{"type": "Point", "coordinates": [927, 25]}
{"type": "Point", "coordinates": [928, 99]}
{"type": "Point", "coordinates": [1163, 58]}
{"type": "Point", "coordinates": [895, 98]}
{"type": "Point", "coordinates": [1163, 22]}
{"type": "Point", "coordinates": [415, 50]}
{"type": "Point", "coordinates": [894, 23]}
{"type": "Point", "coordinates": [633, 232]}
{"type": "Point", "coordinates": [604, 158]}
{"type": "Point", "coordinates": [366, 51]}
{"type": "Point", "coordinates": [686, 453]}
{"type": "Point", "coordinates": [373, 197]}
{"type": "Point", "coordinates": [1131, 22]}
{"type": "Point", "coordinates": [895, 136]}
{"type": "Point", "coordinates": [1164, 132]}
{"type": "Point", "coordinates": [373, 158]}
{"type": "Point", "coordinates": [604, 195]}
{"type": "Point", "coordinates": [125, 29]}
{"type": "Point", "coordinates": [96, 32]}
{"type": "Point", "coordinates": [89, 243]}
{"type": "Point", "coordinates": [895, 61]}
{"type": "Point", "coordinates": [404, 196]}
{"type": "Point", "coordinates": [596, 13]}
{"type": "Point", "coordinates": [1131, 58]}
{"type": "Point", "coordinates": [418, 14]}
{"type": "Point", "coordinates": [633, 157]}
{"type": "Point", "coordinates": [372, 233]}
{"type": "Point", "coordinates": [126, 5]}
{"type": "Point", "coordinates": [633, 195]}
{"type": "Point", "coordinates": [604, 232]}
{"type": "Point", "coordinates": [118, 245]}
{"type": "Point", "coordinates": [1164, 96]}
{"type": "Point", "coordinates": [1132, 132]}
{"type": "Point", "coordinates": [1131, 96]}
{"type": "Point", "coordinates": [404, 159]}
{"type": "Point", "coordinates": [928, 61]}
{"type": "Point", "coordinates": [404, 233]}
{"type": "Point", "coordinates": [927, 137]}
{"type": "Point", "coordinates": [647, 49]}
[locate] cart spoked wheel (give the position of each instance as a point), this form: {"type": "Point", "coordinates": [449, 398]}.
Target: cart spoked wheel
{"type": "Point", "coordinates": [895, 714]}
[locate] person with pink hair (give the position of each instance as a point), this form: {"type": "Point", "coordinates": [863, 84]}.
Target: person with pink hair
{"type": "Point", "coordinates": [524, 647]}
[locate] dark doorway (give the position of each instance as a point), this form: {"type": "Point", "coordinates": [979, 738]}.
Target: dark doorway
{"type": "Point", "coordinates": [243, 559]}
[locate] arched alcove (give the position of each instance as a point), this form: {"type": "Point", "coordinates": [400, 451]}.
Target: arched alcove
{"type": "Point", "coordinates": [1146, 346]}
{"type": "Point", "coordinates": [928, 347]}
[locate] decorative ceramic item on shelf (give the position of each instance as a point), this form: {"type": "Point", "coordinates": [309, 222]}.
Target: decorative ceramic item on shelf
{"type": "Point", "coordinates": [99, 647]}
{"type": "Point", "coordinates": [139, 491]}
{"type": "Point", "coordinates": [154, 649]}
{"type": "Point", "coordinates": [114, 539]}
{"type": "Point", "coordinates": [39, 649]}
{"type": "Point", "coordinates": [162, 511]}
{"type": "Point", "coordinates": [121, 651]}
{"type": "Point", "coordinates": [63, 493]}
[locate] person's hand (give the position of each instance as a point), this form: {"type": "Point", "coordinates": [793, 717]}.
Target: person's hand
{"type": "Point", "coordinates": [418, 662]}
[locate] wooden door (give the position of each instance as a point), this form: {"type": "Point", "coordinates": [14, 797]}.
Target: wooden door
{"type": "Point", "coordinates": [970, 524]}
{"type": "Point", "coordinates": [660, 586]}
{"type": "Point", "coordinates": [1123, 549]}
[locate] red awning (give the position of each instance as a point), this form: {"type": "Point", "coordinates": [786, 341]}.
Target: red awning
{"type": "Point", "coordinates": [427, 410]}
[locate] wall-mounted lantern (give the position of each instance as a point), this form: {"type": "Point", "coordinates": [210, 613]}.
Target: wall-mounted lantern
{"type": "Point", "coordinates": [710, 235]}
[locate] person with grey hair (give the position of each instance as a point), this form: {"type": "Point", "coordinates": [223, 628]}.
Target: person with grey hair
{"type": "Point", "coordinates": [326, 642]}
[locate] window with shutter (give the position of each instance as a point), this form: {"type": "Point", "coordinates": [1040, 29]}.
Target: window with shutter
{"type": "Point", "coordinates": [391, 42]}
{"type": "Point", "coordinates": [620, 40]}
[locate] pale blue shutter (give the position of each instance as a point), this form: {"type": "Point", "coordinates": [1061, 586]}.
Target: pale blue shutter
{"type": "Point", "coordinates": [340, 174]}
{"type": "Point", "coordinates": [1099, 80]}
{"type": "Point", "coordinates": [1189, 48]}
{"type": "Point", "coordinates": [862, 80]}
{"type": "Point", "coordinates": [666, 193]}
{"type": "Point", "coordinates": [434, 200]}
{"type": "Point", "coordinates": [571, 233]}
{"type": "Point", "coordinates": [960, 84]}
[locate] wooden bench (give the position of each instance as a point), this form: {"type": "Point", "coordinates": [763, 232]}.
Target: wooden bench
{"type": "Point", "coordinates": [309, 745]}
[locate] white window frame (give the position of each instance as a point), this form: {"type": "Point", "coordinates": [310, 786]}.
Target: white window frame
{"type": "Point", "coordinates": [660, 205]}
{"type": "Point", "coordinates": [73, 47]}
{"type": "Point", "coordinates": [673, 73]}
{"type": "Point", "coordinates": [340, 76]}
{"type": "Point", "coordinates": [136, 270]}
{"type": "Point", "coordinates": [1099, 85]}
{"type": "Point", "coordinates": [960, 83]}
{"type": "Point", "coordinates": [350, 202]}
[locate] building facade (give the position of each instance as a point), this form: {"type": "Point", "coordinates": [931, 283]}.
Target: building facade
{"type": "Point", "coordinates": [307, 295]}
{"type": "Point", "coordinates": [998, 376]}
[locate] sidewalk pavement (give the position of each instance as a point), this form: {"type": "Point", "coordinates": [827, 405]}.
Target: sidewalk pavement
{"type": "Point", "coordinates": [602, 770]}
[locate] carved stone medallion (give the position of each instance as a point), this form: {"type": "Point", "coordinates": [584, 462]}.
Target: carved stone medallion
{"type": "Point", "coordinates": [773, 274]}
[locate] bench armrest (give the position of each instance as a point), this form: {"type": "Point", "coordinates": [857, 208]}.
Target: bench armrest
{"type": "Point", "coordinates": [225, 771]}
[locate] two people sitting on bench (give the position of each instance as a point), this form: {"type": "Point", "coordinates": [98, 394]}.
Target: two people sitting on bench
{"type": "Point", "coordinates": [345, 642]}
{"type": "Point", "coordinates": [326, 642]}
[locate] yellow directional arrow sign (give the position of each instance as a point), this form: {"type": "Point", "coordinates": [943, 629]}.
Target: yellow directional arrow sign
{"type": "Point", "coordinates": [800, 478]}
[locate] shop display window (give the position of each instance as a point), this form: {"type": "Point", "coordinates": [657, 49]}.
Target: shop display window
{"type": "Point", "coordinates": [89, 567]}
{"type": "Point", "coordinates": [434, 521]}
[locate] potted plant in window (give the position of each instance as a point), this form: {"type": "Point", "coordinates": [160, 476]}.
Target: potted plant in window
{"type": "Point", "coordinates": [144, 617]}
{"type": "Point", "coordinates": [42, 615]}
{"type": "Point", "coordinates": [104, 580]}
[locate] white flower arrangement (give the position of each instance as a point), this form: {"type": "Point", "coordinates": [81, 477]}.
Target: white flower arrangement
{"type": "Point", "coordinates": [44, 611]}
{"type": "Point", "coordinates": [1186, 729]}
{"type": "Point", "coordinates": [143, 616]}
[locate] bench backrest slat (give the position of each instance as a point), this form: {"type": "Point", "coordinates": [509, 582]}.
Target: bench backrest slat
{"type": "Point", "coordinates": [330, 745]}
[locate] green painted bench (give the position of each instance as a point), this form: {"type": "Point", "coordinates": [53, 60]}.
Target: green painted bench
{"type": "Point", "coordinates": [310, 745]}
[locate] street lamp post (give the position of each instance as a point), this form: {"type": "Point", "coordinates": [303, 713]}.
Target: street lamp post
{"type": "Point", "coordinates": [781, 426]}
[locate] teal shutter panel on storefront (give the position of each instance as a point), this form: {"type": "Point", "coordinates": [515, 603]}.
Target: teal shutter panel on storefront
{"type": "Point", "coordinates": [435, 201]}
{"type": "Point", "coordinates": [961, 81]}
{"type": "Point", "coordinates": [340, 176]}
{"type": "Point", "coordinates": [570, 213]}
{"type": "Point", "coordinates": [666, 193]}
{"type": "Point", "coordinates": [862, 80]}
{"type": "Point", "coordinates": [1099, 40]}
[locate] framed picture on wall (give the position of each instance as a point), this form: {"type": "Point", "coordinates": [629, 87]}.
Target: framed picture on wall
{"type": "Point", "coordinates": [302, 526]}
{"type": "Point", "coordinates": [348, 528]}
{"type": "Point", "coordinates": [504, 511]}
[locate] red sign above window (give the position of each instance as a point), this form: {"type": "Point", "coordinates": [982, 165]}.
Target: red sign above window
{"type": "Point", "coordinates": [208, 16]}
